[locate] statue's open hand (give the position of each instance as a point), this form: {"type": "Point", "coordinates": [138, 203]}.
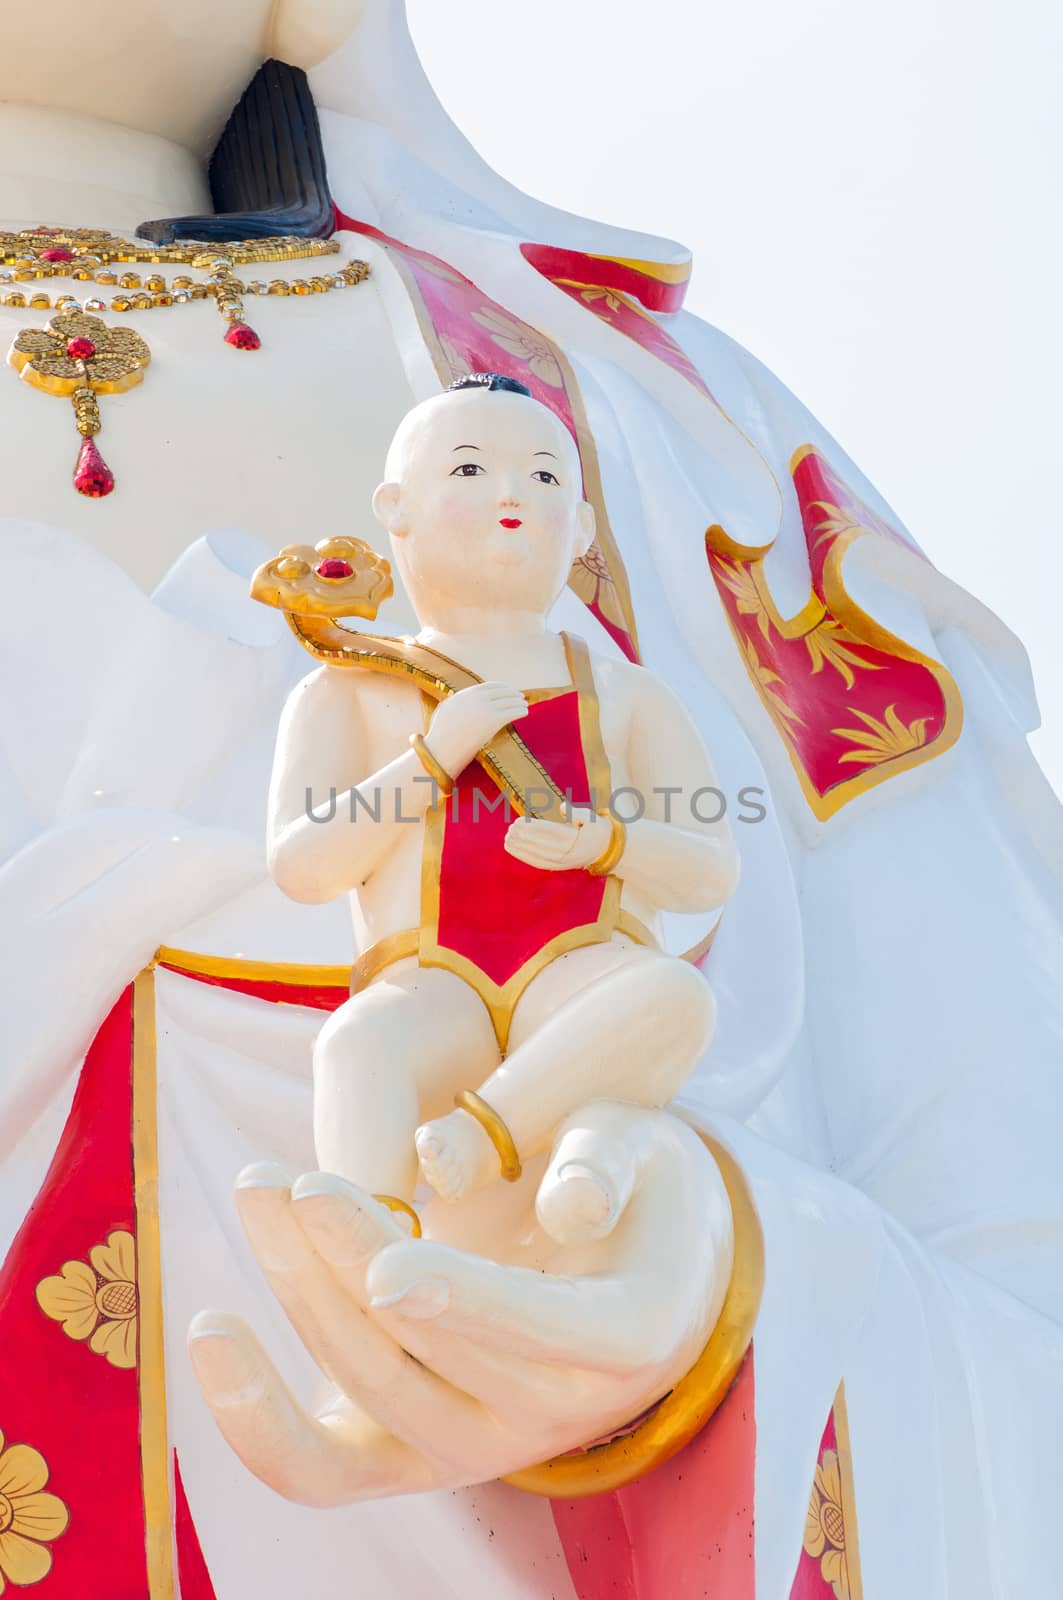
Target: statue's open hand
{"type": "Point", "coordinates": [463, 723]}
{"type": "Point", "coordinates": [455, 1368]}
{"type": "Point", "coordinates": [559, 846]}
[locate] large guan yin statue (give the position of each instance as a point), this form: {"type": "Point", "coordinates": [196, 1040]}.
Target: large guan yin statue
{"type": "Point", "coordinates": [883, 1096]}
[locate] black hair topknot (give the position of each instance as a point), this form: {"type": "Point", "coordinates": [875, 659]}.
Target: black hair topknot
{"type": "Point", "coordinates": [491, 381]}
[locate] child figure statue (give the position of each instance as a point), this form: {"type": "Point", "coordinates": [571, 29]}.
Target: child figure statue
{"type": "Point", "coordinates": [510, 972]}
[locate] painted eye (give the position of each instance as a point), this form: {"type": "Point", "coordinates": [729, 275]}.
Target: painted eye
{"type": "Point", "coordinates": [545, 477]}
{"type": "Point", "coordinates": [468, 469]}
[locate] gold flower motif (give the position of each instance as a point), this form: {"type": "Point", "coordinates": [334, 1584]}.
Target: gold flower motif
{"type": "Point", "coordinates": [519, 340]}
{"type": "Point", "coordinates": [825, 1525]}
{"type": "Point", "coordinates": [763, 675]}
{"type": "Point", "coordinates": [739, 581]}
{"type": "Point", "coordinates": [98, 1303]}
{"type": "Point", "coordinates": [882, 741]}
{"type": "Point", "coordinates": [29, 1519]}
{"type": "Point", "coordinates": [828, 645]}
{"type": "Point", "coordinates": [589, 578]}
{"type": "Point", "coordinates": [311, 580]}
{"type": "Point", "coordinates": [41, 356]}
{"type": "Point", "coordinates": [835, 522]}
{"type": "Point", "coordinates": [456, 362]}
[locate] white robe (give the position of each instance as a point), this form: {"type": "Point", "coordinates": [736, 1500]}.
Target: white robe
{"type": "Point", "coordinates": [891, 1012]}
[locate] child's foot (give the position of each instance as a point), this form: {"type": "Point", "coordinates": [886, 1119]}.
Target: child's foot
{"type": "Point", "coordinates": [456, 1155]}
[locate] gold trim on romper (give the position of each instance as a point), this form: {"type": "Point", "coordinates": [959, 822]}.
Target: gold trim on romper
{"type": "Point", "coordinates": [423, 942]}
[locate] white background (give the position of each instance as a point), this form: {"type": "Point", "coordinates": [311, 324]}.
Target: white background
{"type": "Point", "coordinates": [872, 192]}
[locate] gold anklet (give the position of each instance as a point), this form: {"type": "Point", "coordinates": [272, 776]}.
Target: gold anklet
{"type": "Point", "coordinates": [613, 850]}
{"type": "Point", "coordinates": [434, 768]}
{"type": "Point", "coordinates": [495, 1129]}
{"type": "Point", "coordinates": [393, 1203]}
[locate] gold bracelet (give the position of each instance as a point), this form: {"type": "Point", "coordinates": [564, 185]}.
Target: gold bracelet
{"type": "Point", "coordinates": [434, 768]}
{"type": "Point", "coordinates": [495, 1129]}
{"type": "Point", "coordinates": [393, 1203]}
{"type": "Point", "coordinates": [613, 850]}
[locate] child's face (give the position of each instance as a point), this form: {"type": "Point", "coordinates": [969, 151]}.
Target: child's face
{"type": "Point", "coordinates": [488, 511]}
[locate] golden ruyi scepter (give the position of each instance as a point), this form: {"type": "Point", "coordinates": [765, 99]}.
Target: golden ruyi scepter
{"type": "Point", "coordinates": [317, 585]}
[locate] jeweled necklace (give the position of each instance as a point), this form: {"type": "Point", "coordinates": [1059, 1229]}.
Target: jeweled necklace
{"type": "Point", "coordinates": [80, 357]}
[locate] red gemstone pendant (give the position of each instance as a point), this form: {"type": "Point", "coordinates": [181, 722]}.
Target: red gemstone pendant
{"type": "Point", "coordinates": [92, 475]}
{"type": "Point", "coordinates": [241, 337]}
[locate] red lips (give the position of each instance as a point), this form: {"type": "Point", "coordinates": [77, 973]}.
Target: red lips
{"type": "Point", "coordinates": [510, 522]}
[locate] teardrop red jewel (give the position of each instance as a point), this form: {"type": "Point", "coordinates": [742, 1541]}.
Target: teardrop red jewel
{"type": "Point", "coordinates": [241, 337]}
{"type": "Point", "coordinates": [92, 475]}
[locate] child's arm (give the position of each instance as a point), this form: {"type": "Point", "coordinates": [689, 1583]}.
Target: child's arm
{"type": "Point", "coordinates": [681, 853]}
{"type": "Point", "coordinates": [678, 848]}
{"type": "Point", "coordinates": [326, 836]}
{"type": "Point", "coordinates": [321, 841]}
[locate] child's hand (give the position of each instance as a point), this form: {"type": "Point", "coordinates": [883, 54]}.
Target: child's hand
{"type": "Point", "coordinates": [463, 723]}
{"type": "Point", "coordinates": [559, 846]}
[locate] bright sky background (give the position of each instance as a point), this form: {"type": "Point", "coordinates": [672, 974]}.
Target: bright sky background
{"type": "Point", "coordinates": [872, 195]}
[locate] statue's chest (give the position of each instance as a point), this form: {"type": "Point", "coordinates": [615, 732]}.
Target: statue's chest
{"type": "Point", "coordinates": [287, 440]}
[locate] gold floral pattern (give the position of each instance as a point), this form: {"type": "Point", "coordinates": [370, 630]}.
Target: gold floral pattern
{"type": "Point", "coordinates": [117, 363]}
{"type": "Point", "coordinates": [589, 578]}
{"type": "Point", "coordinates": [98, 1302]}
{"type": "Point", "coordinates": [767, 680]}
{"type": "Point", "coordinates": [825, 1525]}
{"type": "Point", "coordinates": [829, 645]}
{"type": "Point", "coordinates": [835, 523]}
{"type": "Point", "coordinates": [882, 741]}
{"type": "Point", "coordinates": [738, 579]}
{"type": "Point", "coordinates": [29, 1518]}
{"type": "Point", "coordinates": [456, 363]}
{"type": "Point", "coordinates": [521, 341]}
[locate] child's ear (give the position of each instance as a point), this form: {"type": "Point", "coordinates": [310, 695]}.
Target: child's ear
{"type": "Point", "coordinates": [586, 525]}
{"type": "Point", "coordinates": [387, 509]}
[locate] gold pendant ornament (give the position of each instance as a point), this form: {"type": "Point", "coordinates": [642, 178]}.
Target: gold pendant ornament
{"type": "Point", "coordinates": [90, 359]}
{"type": "Point", "coordinates": [81, 357]}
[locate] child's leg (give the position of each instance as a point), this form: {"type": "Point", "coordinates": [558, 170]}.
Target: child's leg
{"type": "Point", "coordinates": [407, 1041]}
{"type": "Point", "coordinates": [633, 1032]}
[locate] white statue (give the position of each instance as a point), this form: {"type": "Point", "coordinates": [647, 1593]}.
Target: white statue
{"type": "Point", "coordinates": [484, 509]}
{"type": "Point", "coordinates": [887, 1077]}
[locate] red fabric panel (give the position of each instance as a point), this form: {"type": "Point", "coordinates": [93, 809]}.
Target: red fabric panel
{"type": "Point", "coordinates": [685, 1531]}
{"type": "Point", "coordinates": [56, 1395]}
{"type": "Point", "coordinates": [481, 884]}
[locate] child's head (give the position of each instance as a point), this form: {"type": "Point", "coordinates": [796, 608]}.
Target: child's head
{"type": "Point", "coordinates": [483, 500]}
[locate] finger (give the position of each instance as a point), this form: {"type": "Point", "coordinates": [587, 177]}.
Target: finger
{"type": "Point", "coordinates": [354, 1225]}
{"type": "Point", "coordinates": [591, 1321]}
{"type": "Point", "coordinates": [310, 1461]}
{"type": "Point", "coordinates": [525, 850]}
{"type": "Point", "coordinates": [351, 1348]}
{"type": "Point", "coordinates": [330, 1215]}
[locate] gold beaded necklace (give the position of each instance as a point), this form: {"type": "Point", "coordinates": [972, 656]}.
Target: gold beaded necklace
{"type": "Point", "coordinates": [80, 357]}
